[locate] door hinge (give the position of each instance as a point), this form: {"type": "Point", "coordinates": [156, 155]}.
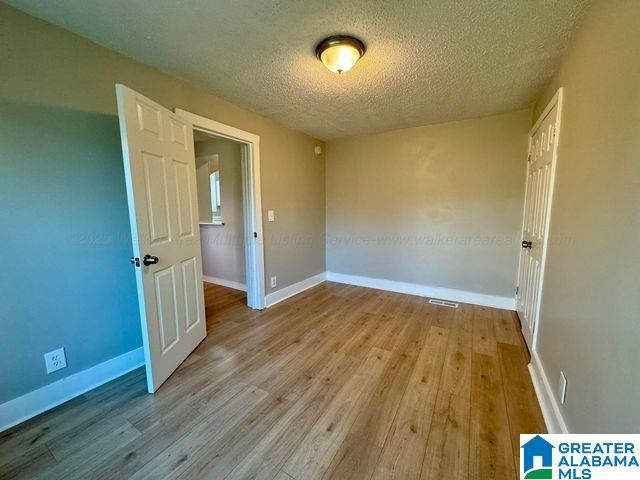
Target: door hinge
{"type": "Point", "coordinates": [255, 234]}
{"type": "Point", "coordinates": [517, 290]}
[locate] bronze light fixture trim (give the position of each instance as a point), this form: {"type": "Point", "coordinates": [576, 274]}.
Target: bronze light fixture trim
{"type": "Point", "coordinates": [339, 53]}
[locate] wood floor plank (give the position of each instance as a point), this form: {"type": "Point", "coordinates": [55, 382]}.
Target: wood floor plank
{"type": "Point", "coordinates": [442, 317]}
{"type": "Point", "coordinates": [456, 373]}
{"type": "Point", "coordinates": [315, 453]}
{"type": "Point", "coordinates": [356, 459]}
{"type": "Point", "coordinates": [447, 451]}
{"type": "Point", "coordinates": [85, 434]}
{"type": "Point", "coordinates": [283, 476]}
{"type": "Point", "coordinates": [80, 411]}
{"type": "Point", "coordinates": [222, 457]}
{"type": "Point", "coordinates": [338, 382]}
{"type": "Point", "coordinates": [84, 456]}
{"type": "Point", "coordinates": [376, 416]}
{"type": "Point", "coordinates": [29, 464]}
{"type": "Point", "coordinates": [484, 340]}
{"type": "Point", "coordinates": [173, 459]}
{"type": "Point", "coordinates": [357, 456]}
{"type": "Point", "coordinates": [162, 434]}
{"type": "Point", "coordinates": [490, 450]}
{"type": "Point", "coordinates": [522, 406]}
{"type": "Point", "coordinates": [506, 327]}
{"type": "Point", "coordinates": [270, 453]}
{"type": "Point", "coordinates": [406, 441]}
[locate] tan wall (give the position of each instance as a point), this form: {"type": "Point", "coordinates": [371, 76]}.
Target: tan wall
{"type": "Point", "coordinates": [439, 205]}
{"type": "Point", "coordinates": [223, 245]}
{"type": "Point", "coordinates": [590, 317]}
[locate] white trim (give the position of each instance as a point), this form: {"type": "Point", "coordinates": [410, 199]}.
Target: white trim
{"type": "Point", "coordinates": [208, 125]}
{"type": "Point", "coordinates": [550, 407]}
{"type": "Point", "coordinates": [450, 294]}
{"type": "Point", "coordinates": [30, 404]}
{"type": "Point", "coordinates": [291, 290]}
{"type": "Point", "coordinates": [252, 200]}
{"type": "Point", "coordinates": [225, 283]}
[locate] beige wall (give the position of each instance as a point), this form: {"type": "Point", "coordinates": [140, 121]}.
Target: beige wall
{"type": "Point", "coordinates": [52, 67]}
{"type": "Point", "coordinates": [223, 245]}
{"type": "Point", "coordinates": [590, 317]}
{"type": "Point", "coordinates": [439, 205]}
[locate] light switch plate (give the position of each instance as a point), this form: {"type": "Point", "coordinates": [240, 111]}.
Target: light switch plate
{"type": "Point", "coordinates": [55, 360]}
{"type": "Point", "coordinates": [271, 215]}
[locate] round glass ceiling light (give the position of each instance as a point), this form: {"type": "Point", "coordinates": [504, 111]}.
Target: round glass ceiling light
{"type": "Point", "coordinates": [340, 53]}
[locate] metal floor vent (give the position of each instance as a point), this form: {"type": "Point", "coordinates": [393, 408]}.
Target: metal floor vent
{"type": "Point", "coordinates": [443, 303]}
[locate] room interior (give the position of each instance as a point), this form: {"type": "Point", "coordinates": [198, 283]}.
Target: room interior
{"type": "Point", "coordinates": [410, 232]}
{"type": "Point", "coordinates": [219, 185]}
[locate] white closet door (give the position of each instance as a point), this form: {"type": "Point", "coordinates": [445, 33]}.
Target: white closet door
{"type": "Point", "coordinates": [538, 196]}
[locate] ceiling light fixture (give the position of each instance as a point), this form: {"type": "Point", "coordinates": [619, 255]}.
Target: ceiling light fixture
{"type": "Point", "coordinates": [339, 53]}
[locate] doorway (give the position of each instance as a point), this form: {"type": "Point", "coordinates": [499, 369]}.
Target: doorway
{"type": "Point", "coordinates": [219, 185]}
{"type": "Point", "coordinates": [160, 176]}
{"type": "Point", "coordinates": [248, 148]}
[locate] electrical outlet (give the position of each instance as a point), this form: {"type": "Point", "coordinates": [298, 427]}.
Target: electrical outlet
{"type": "Point", "coordinates": [562, 390]}
{"type": "Point", "coordinates": [274, 282]}
{"type": "Point", "coordinates": [271, 215]}
{"type": "Point", "coordinates": [55, 360]}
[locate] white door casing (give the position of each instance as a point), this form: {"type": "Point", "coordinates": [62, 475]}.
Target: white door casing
{"type": "Point", "coordinates": [541, 165]}
{"type": "Point", "coordinates": [159, 164]}
{"type": "Point", "coordinates": [251, 199]}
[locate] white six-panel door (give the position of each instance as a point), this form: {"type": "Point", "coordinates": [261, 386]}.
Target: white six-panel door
{"type": "Point", "coordinates": [538, 195]}
{"type": "Point", "coordinates": [159, 166]}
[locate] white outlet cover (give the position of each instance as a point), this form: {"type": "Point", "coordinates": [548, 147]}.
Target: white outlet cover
{"type": "Point", "coordinates": [274, 282]}
{"type": "Point", "coordinates": [271, 215]}
{"type": "Point", "coordinates": [55, 360]}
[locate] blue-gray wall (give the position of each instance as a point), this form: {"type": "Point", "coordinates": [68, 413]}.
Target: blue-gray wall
{"type": "Point", "coordinates": [65, 277]}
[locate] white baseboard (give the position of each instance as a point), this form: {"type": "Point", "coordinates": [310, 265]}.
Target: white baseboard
{"type": "Point", "coordinates": [225, 283]}
{"type": "Point", "coordinates": [291, 290]}
{"type": "Point", "coordinates": [29, 405]}
{"type": "Point", "coordinates": [450, 294]}
{"type": "Point", "coordinates": [553, 418]}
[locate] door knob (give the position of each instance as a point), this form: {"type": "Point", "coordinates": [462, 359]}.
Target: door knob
{"type": "Point", "coordinates": [149, 260]}
{"type": "Point", "coordinates": [526, 244]}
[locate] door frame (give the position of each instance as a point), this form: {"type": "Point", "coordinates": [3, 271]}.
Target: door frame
{"type": "Point", "coordinates": [557, 99]}
{"type": "Point", "coordinates": [251, 199]}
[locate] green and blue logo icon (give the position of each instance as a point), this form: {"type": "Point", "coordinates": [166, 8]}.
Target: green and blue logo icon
{"type": "Point", "coordinates": [537, 459]}
{"type": "Point", "coordinates": [580, 456]}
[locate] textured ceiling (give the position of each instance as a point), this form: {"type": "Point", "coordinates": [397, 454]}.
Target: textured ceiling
{"type": "Point", "coordinates": [427, 61]}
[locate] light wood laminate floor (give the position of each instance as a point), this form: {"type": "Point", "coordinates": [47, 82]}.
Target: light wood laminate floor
{"type": "Point", "coordinates": [339, 382]}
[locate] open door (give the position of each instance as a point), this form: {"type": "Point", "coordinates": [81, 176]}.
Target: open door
{"type": "Point", "coordinates": [159, 164]}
